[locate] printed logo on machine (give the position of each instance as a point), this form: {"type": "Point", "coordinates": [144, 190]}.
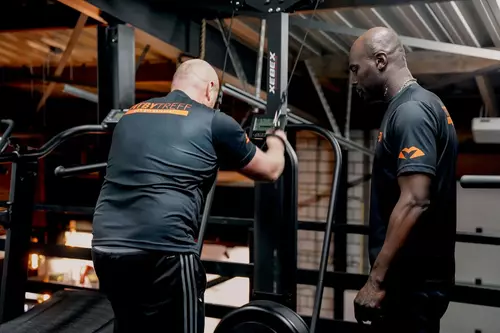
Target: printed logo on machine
{"type": "Point", "coordinates": [178, 109]}
{"type": "Point", "coordinates": [272, 72]}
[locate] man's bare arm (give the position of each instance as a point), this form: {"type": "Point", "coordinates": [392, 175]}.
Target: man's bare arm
{"type": "Point", "coordinates": [413, 201]}
{"type": "Point", "coordinates": [268, 165]}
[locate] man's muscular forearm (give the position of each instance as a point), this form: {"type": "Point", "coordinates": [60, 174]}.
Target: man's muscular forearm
{"type": "Point", "coordinates": [404, 216]}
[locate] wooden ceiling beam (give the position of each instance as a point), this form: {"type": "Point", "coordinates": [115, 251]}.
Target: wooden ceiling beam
{"type": "Point", "coordinates": [77, 31]}
{"type": "Point", "coordinates": [16, 16]}
{"type": "Point", "coordinates": [419, 63]}
{"type": "Point", "coordinates": [87, 75]}
{"type": "Point", "coordinates": [157, 45]}
{"type": "Point", "coordinates": [85, 8]}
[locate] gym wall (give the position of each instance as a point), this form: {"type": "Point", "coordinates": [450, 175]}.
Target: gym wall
{"type": "Point", "coordinates": [476, 263]}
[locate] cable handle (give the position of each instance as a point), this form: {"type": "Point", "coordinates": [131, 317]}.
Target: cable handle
{"type": "Point", "coordinates": [281, 121]}
{"type": "Point", "coordinates": [280, 118]}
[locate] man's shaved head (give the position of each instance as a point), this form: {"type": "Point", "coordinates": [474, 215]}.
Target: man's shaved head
{"type": "Point", "coordinates": [375, 58]}
{"type": "Point", "coordinates": [385, 40]}
{"type": "Point", "coordinates": [198, 79]}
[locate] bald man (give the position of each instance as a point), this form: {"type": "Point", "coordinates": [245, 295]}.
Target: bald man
{"type": "Point", "coordinates": [413, 193]}
{"type": "Point", "coordinates": [162, 163]}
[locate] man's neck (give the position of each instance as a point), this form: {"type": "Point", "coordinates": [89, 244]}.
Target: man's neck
{"type": "Point", "coordinates": [187, 91]}
{"type": "Point", "coordinates": [396, 82]}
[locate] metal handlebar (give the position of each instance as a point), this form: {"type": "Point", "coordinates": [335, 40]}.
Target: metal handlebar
{"type": "Point", "coordinates": [473, 181]}
{"type": "Point", "coordinates": [330, 216]}
{"type": "Point", "coordinates": [53, 143]}
{"type": "Point", "coordinates": [61, 171]}
{"type": "Point", "coordinates": [4, 140]}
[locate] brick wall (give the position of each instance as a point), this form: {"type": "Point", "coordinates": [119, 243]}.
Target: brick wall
{"type": "Point", "coordinates": [316, 164]}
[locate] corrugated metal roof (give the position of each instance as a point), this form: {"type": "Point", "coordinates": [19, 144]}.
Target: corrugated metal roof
{"type": "Point", "coordinates": [473, 23]}
{"type": "Point", "coordinates": [457, 22]}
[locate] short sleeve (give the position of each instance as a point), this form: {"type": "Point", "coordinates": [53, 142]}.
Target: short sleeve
{"type": "Point", "coordinates": [232, 145]}
{"type": "Point", "coordinates": [413, 139]}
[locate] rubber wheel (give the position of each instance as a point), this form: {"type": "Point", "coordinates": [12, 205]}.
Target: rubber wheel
{"type": "Point", "coordinates": [262, 317]}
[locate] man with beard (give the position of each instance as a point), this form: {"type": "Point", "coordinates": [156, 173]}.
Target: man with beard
{"type": "Point", "coordinates": [413, 193]}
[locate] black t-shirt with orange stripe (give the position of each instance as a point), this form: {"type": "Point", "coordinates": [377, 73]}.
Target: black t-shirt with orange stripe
{"type": "Point", "coordinates": [163, 160]}
{"type": "Point", "coordinates": [417, 136]}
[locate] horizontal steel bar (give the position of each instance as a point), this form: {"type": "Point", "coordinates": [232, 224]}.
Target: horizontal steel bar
{"type": "Point", "coordinates": [237, 221]}
{"type": "Point", "coordinates": [293, 118]}
{"type": "Point", "coordinates": [80, 93]}
{"type": "Point", "coordinates": [65, 209]}
{"type": "Point", "coordinates": [462, 237]}
{"type": "Point", "coordinates": [315, 24]}
{"type": "Point", "coordinates": [477, 238]}
{"type": "Point", "coordinates": [477, 181]}
{"type": "Point", "coordinates": [40, 287]}
{"type": "Point", "coordinates": [61, 251]}
{"type": "Point", "coordinates": [62, 171]}
{"type": "Point", "coordinates": [461, 293]}
{"type": "Point", "coordinates": [218, 281]}
{"type": "Point", "coordinates": [229, 269]}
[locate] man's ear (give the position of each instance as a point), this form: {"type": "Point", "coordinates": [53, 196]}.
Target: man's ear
{"type": "Point", "coordinates": [381, 61]}
{"type": "Point", "coordinates": [208, 90]}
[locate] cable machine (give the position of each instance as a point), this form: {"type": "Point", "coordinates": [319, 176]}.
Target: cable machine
{"type": "Point", "coordinates": [273, 305]}
{"type": "Point", "coordinates": [275, 268]}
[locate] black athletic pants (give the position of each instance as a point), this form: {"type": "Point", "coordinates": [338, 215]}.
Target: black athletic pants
{"type": "Point", "coordinates": [153, 292]}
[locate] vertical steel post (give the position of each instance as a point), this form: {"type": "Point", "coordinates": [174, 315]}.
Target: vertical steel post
{"type": "Point", "coordinates": [17, 244]}
{"type": "Point", "coordinates": [340, 238]}
{"type": "Point", "coordinates": [115, 68]}
{"type": "Point", "coordinates": [275, 232]}
{"type": "Point", "coordinates": [115, 75]}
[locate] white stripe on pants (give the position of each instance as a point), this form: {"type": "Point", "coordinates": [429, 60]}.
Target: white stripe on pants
{"type": "Point", "coordinates": [190, 293]}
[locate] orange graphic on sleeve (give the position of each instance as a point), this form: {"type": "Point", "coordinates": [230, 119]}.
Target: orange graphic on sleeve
{"type": "Point", "coordinates": [380, 136]}
{"type": "Point", "coordinates": [448, 117]}
{"type": "Point", "coordinates": [247, 138]}
{"type": "Point", "coordinates": [410, 153]}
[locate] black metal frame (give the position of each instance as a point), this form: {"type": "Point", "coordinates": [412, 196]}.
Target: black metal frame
{"type": "Point", "coordinates": [275, 237]}
{"type": "Point", "coordinates": [21, 207]}
{"type": "Point", "coordinates": [17, 244]}
{"type": "Point", "coordinates": [275, 226]}
{"type": "Point", "coordinates": [115, 67]}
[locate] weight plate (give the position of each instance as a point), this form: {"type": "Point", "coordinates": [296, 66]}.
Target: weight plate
{"type": "Point", "coordinates": [262, 317]}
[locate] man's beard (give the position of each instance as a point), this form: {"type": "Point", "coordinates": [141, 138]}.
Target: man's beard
{"type": "Point", "coordinates": [371, 95]}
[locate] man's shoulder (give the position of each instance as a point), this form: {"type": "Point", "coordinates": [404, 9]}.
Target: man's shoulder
{"type": "Point", "coordinates": [425, 98]}
{"type": "Point", "coordinates": [416, 104]}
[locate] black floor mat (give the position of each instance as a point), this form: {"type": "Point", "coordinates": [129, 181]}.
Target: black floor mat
{"type": "Point", "coordinates": [66, 312]}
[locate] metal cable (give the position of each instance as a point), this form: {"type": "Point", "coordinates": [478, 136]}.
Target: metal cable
{"type": "Point", "coordinates": [219, 100]}
{"type": "Point", "coordinates": [347, 127]}
{"type": "Point", "coordinates": [302, 44]}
